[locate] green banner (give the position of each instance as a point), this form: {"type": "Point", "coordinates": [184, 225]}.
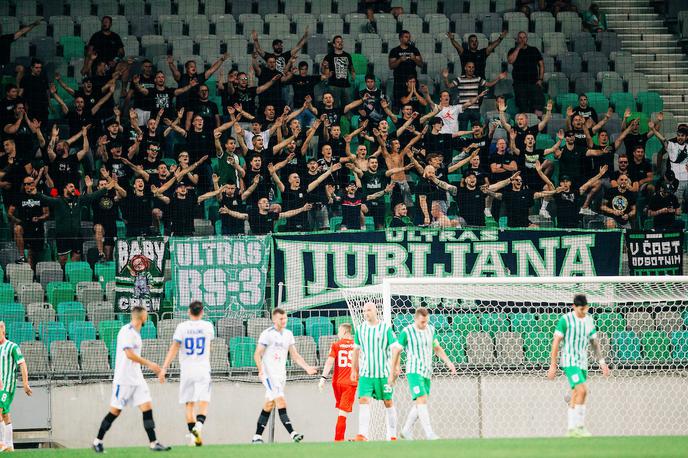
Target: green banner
{"type": "Point", "coordinates": [228, 274]}
{"type": "Point", "coordinates": [140, 273]}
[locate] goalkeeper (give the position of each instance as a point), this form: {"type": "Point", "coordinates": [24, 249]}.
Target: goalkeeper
{"type": "Point", "coordinates": [418, 339]}
{"type": "Point", "coordinates": [576, 329]}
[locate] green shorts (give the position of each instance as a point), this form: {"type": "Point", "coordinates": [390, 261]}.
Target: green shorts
{"type": "Point", "coordinates": [575, 375]}
{"type": "Point", "coordinates": [377, 388]}
{"type": "Point", "coordinates": [419, 385]}
{"type": "Point", "coordinates": [6, 398]}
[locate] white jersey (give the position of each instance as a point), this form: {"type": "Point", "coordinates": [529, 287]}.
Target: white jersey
{"type": "Point", "coordinates": [128, 372]}
{"type": "Point", "coordinates": [450, 118]}
{"type": "Point", "coordinates": [276, 345]}
{"type": "Point", "coordinates": [194, 337]}
{"type": "Point", "coordinates": [678, 159]}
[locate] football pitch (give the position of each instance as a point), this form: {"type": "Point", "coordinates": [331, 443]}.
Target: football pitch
{"type": "Point", "coordinates": [599, 447]}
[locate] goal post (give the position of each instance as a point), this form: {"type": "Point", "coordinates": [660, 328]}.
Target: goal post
{"type": "Point", "coordinates": [498, 332]}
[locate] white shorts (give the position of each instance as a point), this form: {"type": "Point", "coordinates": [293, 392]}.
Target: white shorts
{"type": "Point", "coordinates": [274, 387]}
{"type": "Point", "coordinates": [129, 395]}
{"type": "Point", "coordinates": [194, 389]}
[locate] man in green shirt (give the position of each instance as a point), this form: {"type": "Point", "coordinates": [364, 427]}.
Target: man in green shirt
{"type": "Point", "coordinates": [67, 211]}
{"type": "Point", "coordinates": [576, 329]}
{"type": "Point", "coordinates": [370, 361]}
{"type": "Point", "coordinates": [420, 343]}
{"type": "Point", "coordinates": [10, 357]}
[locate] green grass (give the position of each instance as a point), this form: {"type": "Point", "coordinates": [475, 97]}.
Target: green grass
{"type": "Point", "coordinates": [599, 447]}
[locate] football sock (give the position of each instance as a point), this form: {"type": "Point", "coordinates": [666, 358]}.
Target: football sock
{"type": "Point", "coordinates": [411, 419]}
{"type": "Point", "coordinates": [200, 418]}
{"type": "Point", "coordinates": [363, 419]}
{"type": "Point", "coordinates": [424, 416]}
{"type": "Point", "coordinates": [2, 430]}
{"type": "Point", "coordinates": [105, 425]}
{"type": "Point", "coordinates": [580, 417]}
{"type": "Point", "coordinates": [190, 426]}
{"type": "Point", "coordinates": [149, 425]}
{"type": "Point", "coordinates": [8, 435]}
{"type": "Point", "coordinates": [340, 429]}
{"type": "Point", "coordinates": [284, 418]}
{"type": "Point", "coordinates": [572, 417]}
{"type": "Point", "coordinates": [262, 421]}
{"type": "Point", "coordinates": [391, 417]}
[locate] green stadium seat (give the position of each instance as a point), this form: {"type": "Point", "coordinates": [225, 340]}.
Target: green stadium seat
{"type": "Point", "coordinates": [317, 326]}
{"type": "Point", "coordinates": [71, 311]}
{"type": "Point", "coordinates": [72, 47]}
{"type": "Point", "coordinates": [12, 312]}
{"type": "Point", "coordinates": [79, 271]}
{"type": "Point", "coordinates": [6, 293]}
{"type": "Point", "coordinates": [107, 332]}
{"type": "Point", "coordinates": [342, 319]}
{"type": "Point", "coordinates": [656, 346]}
{"type": "Point", "coordinates": [241, 351]}
{"type": "Point", "coordinates": [523, 322]}
{"type": "Point", "coordinates": [80, 331]}
{"type": "Point", "coordinates": [609, 322]}
{"type": "Point", "coordinates": [537, 346]}
{"type": "Point", "coordinates": [335, 223]}
{"type": "Point", "coordinates": [439, 321]}
{"type": "Point", "coordinates": [19, 332]}
{"type": "Point", "coordinates": [650, 102]}
{"type": "Point", "coordinates": [60, 291]}
{"type": "Point", "coordinates": [51, 331]}
{"type": "Point", "coordinates": [295, 325]}
{"type": "Point", "coordinates": [622, 100]}
{"type": "Point", "coordinates": [547, 322]}
{"type": "Point", "coordinates": [494, 322]}
{"type": "Point", "coordinates": [360, 64]}
{"type": "Point", "coordinates": [453, 344]}
{"type": "Point", "coordinates": [598, 101]}
{"type": "Point", "coordinates": [149, 331]}
{"type": "Point", "coordinates": [105, 272]}
{"type": "Point", "coordinates": [544, 141]}
{"type": "Point", "coordinates": [626, 346]}
{"type": "Point", "coordinates": [402, 320]}
{"type": "Point", "coordinates": [679, 345]}
{"type": "Point", "coordinates": [465, 323]}
{"type": "Point", "coordinates": [652, 147]}
{"type": "Point", "coordinates": [566, 100]}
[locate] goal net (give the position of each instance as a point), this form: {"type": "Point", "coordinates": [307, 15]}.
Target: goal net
{"type": "Point", "coordinates": [498, 333]}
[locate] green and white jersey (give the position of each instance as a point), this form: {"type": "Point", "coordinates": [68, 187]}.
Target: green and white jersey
{"type": "Point", "coordinates": [10, 357]}
{"type": "Point", "coordinates": [419, 346]}
{"type": "Point", "coordinates": [374, 343]}
{"type": "Point", "coordinates": [577, 333]}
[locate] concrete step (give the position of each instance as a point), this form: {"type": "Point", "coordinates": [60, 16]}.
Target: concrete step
{"type": "Point", "coordinates": [645, 37]}
{"type": "Point", "coordinates": [666, 79]}
{"type": "Point", "coordinates": [669, 85]}
{"type": "Point", "coordinates": [632, 16]}
{"type": "Point", "coordinates": [646, 49]}
{"type": "Point", "coordinates": [664, 91]}
{"type": "Point", "coordinates": [605, 5]}
{"type": "Point", "coordinates": [628, 29]}
{"type": "Point", "coordinates": [639, 24]}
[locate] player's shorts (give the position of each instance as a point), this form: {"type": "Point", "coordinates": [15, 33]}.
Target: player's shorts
{"type": "Point", "coordinates": [194, 388]}
{"type": "Point", "coordinates": [274, 387]}
{"type": "Point", "coordinates": [418, 385]}
{"type": "Point", "coordinates": [129, 395]}
{"type": "Point", "coordinates": [6, 398]}
{"type": "Point", "coordinates": [377, 388]}
{"type": "Point", "coordinates": [34, 237]}
{"type": "Point", "coordinates": [575, 375]}
{"type": "Point", "coordinates": [344, 396]}
{"type": "Point", "coordinates": [69, 245]}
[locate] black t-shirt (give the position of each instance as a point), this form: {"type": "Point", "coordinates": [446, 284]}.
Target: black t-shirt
{"type": "Point", "coordinates": [199, 144]}
{"type": "Point", "coordinates": [517, 204]}
{"type": "Point", "coordinates": [145, 102]}
{"type": "Point", "coordinates": [162, 98]}
{"type": "Point", "coordinates": [5, 48]}
{"type": "Point", "coordinates": [664, 220]}
{"type": "Point", "coordinates": [264, 186]}
{"type": "Point", "coordinates": [406, 68]}
{"type": "Point", "coordinates": [440, 143]}
{"type": "Point", "coordinates": [28, 207]}
{"type": "Point", "coordinates": [293, 199]}
{"type": "Point", "coordinates": [471, 205]}
{"type": "Point", "coordinates": [637, 172]}
{"type": "Point", "coordinates": [233, 202]}
{"type": "Point", "coordinates": [501, 159]}
{"type": "Point", "coordinates": [572, 163]}
{"type": "Point", "coordinates": [587, 112]}
{"type": "Point", "coordinates": [7, 109]}
{"type": "Point", "coordinates": [371, 106]}
{"type": "Point", "coordinates": [372, 182]}
{"type": "Point", "coordinates": [618, 200]}
{"type": "Point", "coordinates": [280, 59]}
{"type": "Point", "coordinates": [65, 170]}
{"type": "Point", "coordinates": [397, 222]}
{"type": "Point", "coordinates": [317, 195]}
{"type": "Point", "coordinates": [338, 146]}
{"type": "Point", "coordinates": [24, 141]}
{"type": "Point", "coordinates": [333, 114]}
{"type": "Point", "coordinates": [594, 163]}
{"type": "Point", "coordinates": [245, 97]}
{"type": "Point", "coordinates": [568, 208]}
{"type": "Point", "coordinates": [118, 168]}
{"type": "Point", "coordinates": [340, 177]}
{"type": "Point", "coordinates": [181, 214]}
{"type": "Point", "coordinates": [35, 93]}
{"type": "Point", "coordinates": [105, 209]}
{"type": "Point", "coordinates": [190, 97]}
{"type": "Point", "coordinates": [107, 46]}
{"type": "Point", "coordinates": [303, 86]}
{"type": "Point", "coordinates": [273, 94]}
{"type": "Point", "coordinates": [14, 174]}
{"type": "Point", "coordinates": [478, 57]}
{"type": "Point", "coordinates": [525, 69]}
{"type": "Point", "coordinates": [137, 209]}
{"type": "Point", "coordinates": [632, 141]}
{"type": "Point", "coordinates": [339, 65]}
{"type": "Point", "coordinates": [150, 167]}
{"type": "Point", "coordinates": [522, 133]}
{"type": "Point", "coordinates": [206, 110]}
{"type": "Point", "coordinates": [261, 223]}
{"type": "Point", "coordinates": [351, 210]}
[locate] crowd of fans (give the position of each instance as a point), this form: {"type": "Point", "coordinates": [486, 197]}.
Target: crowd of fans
{"type": "Point", "coordinates": [137, 147]}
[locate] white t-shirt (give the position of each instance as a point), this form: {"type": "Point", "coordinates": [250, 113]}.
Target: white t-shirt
{"type": "Point", "coordinates": [248, 138]}
{"type": "Point", "coordinates": [276, 345]}
{"type": "Point", "coordinates": [678, 158]}
{"type": "Point", "coordinates": [194, 337]}
{"type": "Point", "coordinates": [450, 118]}
{"type": "Point", "coordinates": [128, 372]}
